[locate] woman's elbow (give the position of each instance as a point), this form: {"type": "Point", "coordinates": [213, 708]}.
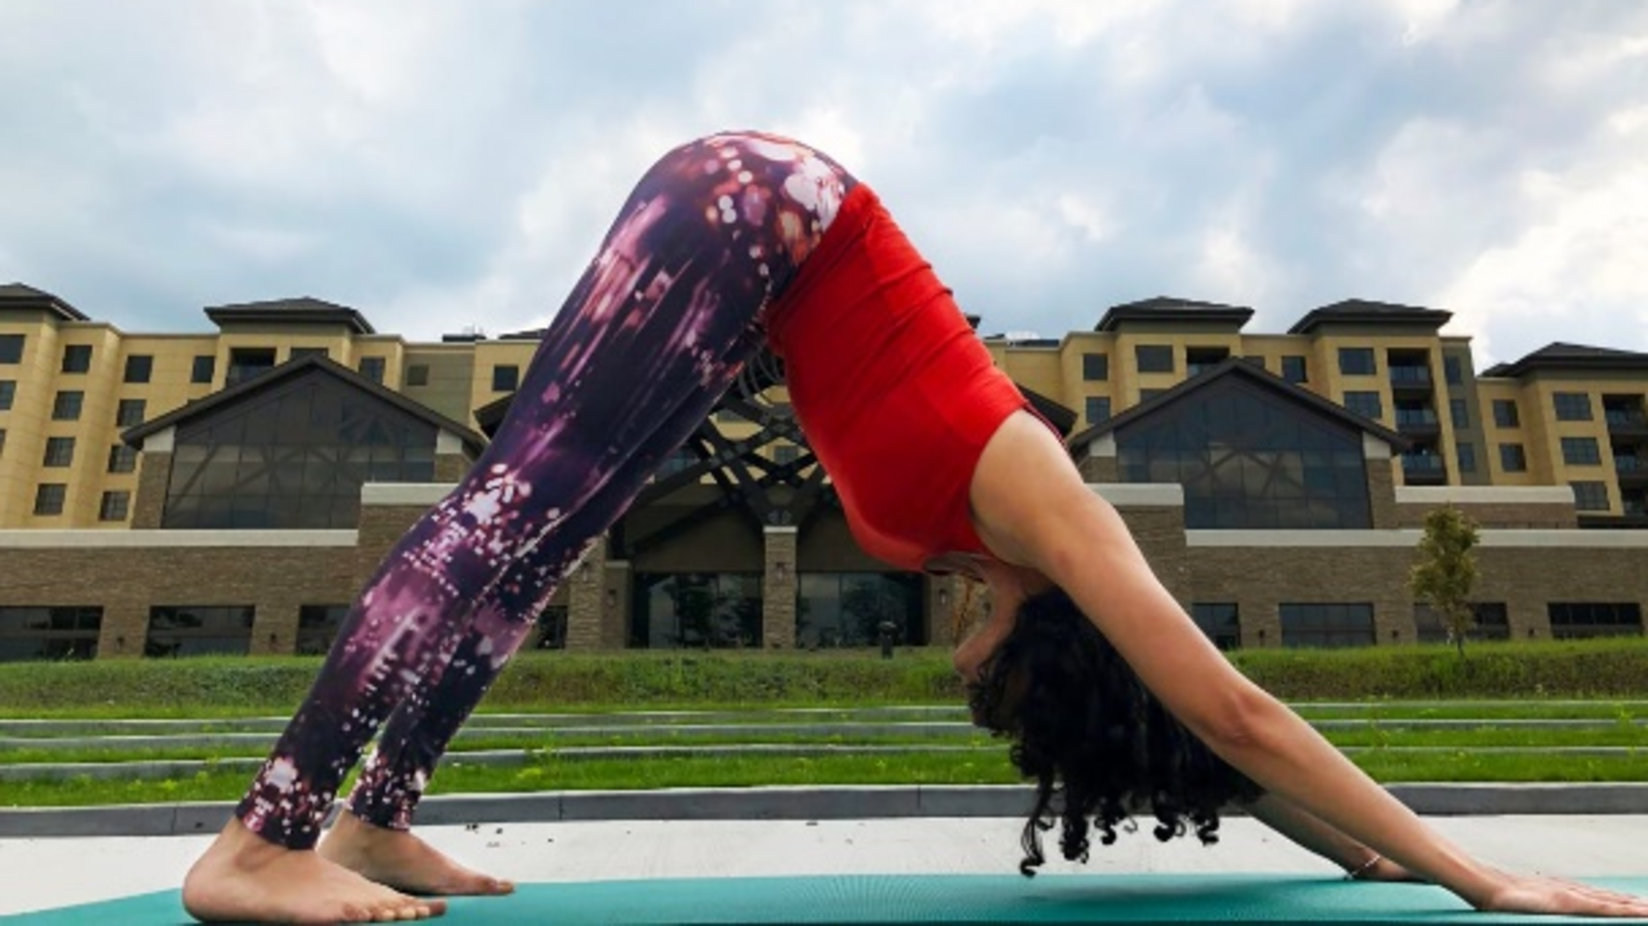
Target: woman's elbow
{"type": "Point", "coordinates": [1237, 721]}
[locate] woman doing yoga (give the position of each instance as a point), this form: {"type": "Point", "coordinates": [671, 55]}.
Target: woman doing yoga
{"type": "Point", "coordinates": [730, 243]}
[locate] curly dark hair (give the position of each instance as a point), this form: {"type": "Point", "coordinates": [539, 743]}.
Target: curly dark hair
{"type": "Point", "coordinates": [1097, 743]}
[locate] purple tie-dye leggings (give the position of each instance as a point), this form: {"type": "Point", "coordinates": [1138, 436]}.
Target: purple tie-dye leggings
{"type": "Point", "coordinates": [656, 329]}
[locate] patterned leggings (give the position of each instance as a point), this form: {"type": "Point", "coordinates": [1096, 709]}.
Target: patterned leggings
{"type": "Point", "coordinates": [657, 328]}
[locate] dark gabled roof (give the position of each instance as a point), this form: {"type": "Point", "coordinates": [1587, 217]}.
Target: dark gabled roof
{"type": "Point", "coordinates": [305, 310]}
{"type": "Point", "coordinates": [1561, 356]}
{"type": "Point", "coordinates": [1368, 312]}
{"type": "Point", "coordinates": [24, 297]}
{"type": "Point", "coordinates": [473, 442]}
{"type": "Point", "coordinates": [1173, 309]}
{"type": "Point", "coordinates": [1238, 367]}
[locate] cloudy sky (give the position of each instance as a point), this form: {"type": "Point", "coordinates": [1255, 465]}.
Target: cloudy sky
{"type": "Point", "coordinates": [440, 165]}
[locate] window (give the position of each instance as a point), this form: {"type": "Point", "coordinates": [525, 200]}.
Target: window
{"type": "Point", "coordinates": [1492, 623]}
{"type": "Point", "coordinates": [1512, 459]}
{"type": "Point", "coordinates": [129, 413]}
{"type": "Point", "coordinates": [1328, 625]}
{"type": "Point", "coordinates": [66, 405]}
{"type": "Point", "coordinates": [293, 456]}
{"type": "Point", "coordinates": [59, 451]}
{"type": "Point", "coordinates": [1250, 459]}
{"type": "Point", "coordinates": [1504, 412]}
{"type": "Point", "coordinates": [114, 505]}
{"type": "Point", "coordinates": [77, 358]}
{"type": "Point", "coordinates": [1590, 496]}
{"type": "Point", "coordinates": [49, 633]}
{"type": "Point", "coordinates": [1452, 370]}
{"type": "Point", "coordinates": [11, 348]}
{"type": "Point", "coordinates": [1154, 358]}
{"type": "Point", "coordinates": [122, 459]}
{"type": "Point", "coordinates": [1571, 620]}
{"type": "Point", "coordinates": [1572, 406]}
{"type": "Point", "coordinates": [1199, 360]}
{"type": "Point", "coordinates": [1098, 409]}
{"type": "Point", "coordinates": [846, 609]}
{"type": "Point", "coordinates": [203, 369]}
{"type": "Point", "coordinates": [248, 362]}
{"type": "Point", "coordinates": [552, 628]}
{"type": "Point", "coordinates": [1220, 623]}
{"type": "Point", "coordinates": [506, 377]}
{"type": "Point", "coordinates": [1581, 451]}
{"type": "Point", "coordinates": [698, 611]}
{"type": "Point", "coordinates": [417, 374]}
{"type": "Point", "coordinates": [1460, 412]}
{"type": "Point", "coordinates": [1095, 367]}
{"type": "Point", "coordinates": [1366, 404]}
{"type": "Point", "coordinates": [49, 498]}
{"type": "Point", "coordinates": [298, 353]}
{"type": "Point", "coordinates": [318, 626]}
{"type": "Point", "coordinates": [139, 367]}
{"type": "Point", "coordinates": [2, 441]}
{"type": "Point", "coordinates": [8, 394]}
{"type": "Point", "coordinates": [1357, 361]}
{"type": "Point", "coordinates": [372, 368]}
{"type": "Point", "coordinates": [1467, 458]}
{"type": "Point", "coordinates": [181, 630]}
{"type": "Point", "coordinates": [1294, 370]}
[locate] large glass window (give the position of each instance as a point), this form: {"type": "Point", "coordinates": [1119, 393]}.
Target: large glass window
{"type": "Point", "coordinates": [66, 405]}
{"type": "Point", "coordinates": [1327, 624]}
{"type": "Point", "coordinates": [552, 628]}
{"type": "Point", "coordinates": [203, 368]}
{"type": "Point", "coordinates": [1357, 361]}
{"type": "Point", "coordinates": [318, 626]}
{"type": "Point", "coordinates": [1467, 458]}
{"type": "Point", "coordinates": [1098, 409]}
{"type": "Point", "coordinates": [1590, 495]}
{"type": "Point", "coordinates": [1572, 406]}
{"type": "Point", "coordinates": [1250, 459]}
{"type": "Point", "coordinates": [293, 456]}
{"type": "Point", "coordinates": [1581, 451]}
{"type": "Point", "coordinates": [847, 609]}
{"type": "Point", "coordinates": [59, 451]}
{"type": "Point", "coordinates": [1505, 414]}
{"type": "Point", "coordinates": [372, 368]}
{"type": "Point", "coordinates": [183, 630]}
{"type": "Point", "coordinates": [49, 498]}
{"type": "Point", "coordinates": [28, 633]}
{"type": "Point", "coordinates": [1095, 367]}
{"type": "Point", "coordinates": [115, 505]}
{"type": "Point", "coordinates": [1572, 620]}
{"type": "Point", "coordinates": [77, 358]}
{"type": "Point", "coordinates": [129, 413]}
{"type": "Point", "coordinates": [139, 368]}
{"type": "Point", "coordinates": [506, 377]}
{"type": "Point", "coordinates": [696, 610]}
{"type": "Point", "coordinates": [8, 394]}
{"type": "Point", "coordinates": [1154, 358]}
{"type": "Point", "coordinates": [248, 362]}
{"type": "Point", "coordinates": [1492, 622]}
{"type": "Point", "coordinates": [11, 348]}
{"type": "Point", "coordinates": [1459, 411]}
{"type": "Point", "coordinates": [1294, 369]}
{"type": "Point", "coordinates": [1512, 458]}
{"type": "Point", "coordinates": [1367, 404]}
{"type": "Point", "coordinates": [122, 459]}
{"type": "Point", "coordinates": [1220, 621]}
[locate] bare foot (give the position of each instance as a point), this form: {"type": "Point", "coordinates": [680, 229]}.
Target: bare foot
{"type": "Point", "coordinates": [402, 861]}
{"type": "Point", "coordinates": [243, 878]}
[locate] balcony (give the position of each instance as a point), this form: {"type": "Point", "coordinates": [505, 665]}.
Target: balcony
{"type": "Point", "coordinates": [1626, 422]}
{"type": "Point", "coordinates": [1423, 469]}
{"type": "Point", "coordinates": [1407, 379]}
{"type": "Point", "coordinates": [1632, 470]}
{"type": "Point", "coordinates": [1417, 422]}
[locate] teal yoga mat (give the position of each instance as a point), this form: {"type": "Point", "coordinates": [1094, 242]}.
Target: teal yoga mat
{"type": "Point", "coordinates": [867, 899]}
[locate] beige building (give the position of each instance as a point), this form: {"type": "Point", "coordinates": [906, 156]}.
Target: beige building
{"type": "Point", "coordinates": [229, 490]}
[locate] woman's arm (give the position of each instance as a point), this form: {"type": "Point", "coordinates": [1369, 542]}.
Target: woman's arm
{"type": "Point", "coordinates": [1310, 832]}
{"type": "Point", "coordinates": [1032, 508]}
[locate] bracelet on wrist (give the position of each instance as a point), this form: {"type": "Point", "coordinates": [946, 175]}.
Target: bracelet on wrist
{"type": "Point", "coordinates": [1355, 874]}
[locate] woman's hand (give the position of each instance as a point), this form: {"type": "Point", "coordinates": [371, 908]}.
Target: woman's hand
{"type": "Point", "coordinates": [1533, 894]}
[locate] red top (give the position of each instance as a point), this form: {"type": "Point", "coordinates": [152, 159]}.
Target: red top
{"type": "Point", "coordinates": [894, 390]}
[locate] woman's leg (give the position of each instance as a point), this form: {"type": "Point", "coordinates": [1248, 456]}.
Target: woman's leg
{"type": "Point", "coordinates": [656, 328]}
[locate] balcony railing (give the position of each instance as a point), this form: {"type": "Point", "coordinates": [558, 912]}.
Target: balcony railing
{"type": "Point", "coordinates": [1421, 417]}
{"type": "Point", "coordinates": [1627, 418]}
{"type": "Point", "coordinates": [1410, 375]}
{"type": "Point", "coordinates": [1422, 462]}
{"type": "Point", "coordinates": [1628, 465]}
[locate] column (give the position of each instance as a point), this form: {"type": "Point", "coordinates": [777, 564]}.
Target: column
{"type": "Point", "coordinates": [586, 598]}
{"type": "Point", "coordinates": [778, 587]}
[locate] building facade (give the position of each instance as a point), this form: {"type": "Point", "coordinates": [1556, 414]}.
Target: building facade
{"type": "Point", "coordinates": [230, 491]}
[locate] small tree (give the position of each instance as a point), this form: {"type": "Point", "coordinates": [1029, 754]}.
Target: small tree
{"type": "Point", "coordinates": [1445, 575]}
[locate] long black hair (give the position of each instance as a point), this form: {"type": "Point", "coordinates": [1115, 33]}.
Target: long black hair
{"type": "Point", "coordinates": [1097, 743]}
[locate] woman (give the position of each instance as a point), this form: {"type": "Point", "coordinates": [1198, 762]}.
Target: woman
{"type": "Point", "coordinates": [728, 243]}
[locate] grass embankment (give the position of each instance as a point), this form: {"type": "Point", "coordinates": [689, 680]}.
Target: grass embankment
{"type": "Point", "coordinates": [230, 687]}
